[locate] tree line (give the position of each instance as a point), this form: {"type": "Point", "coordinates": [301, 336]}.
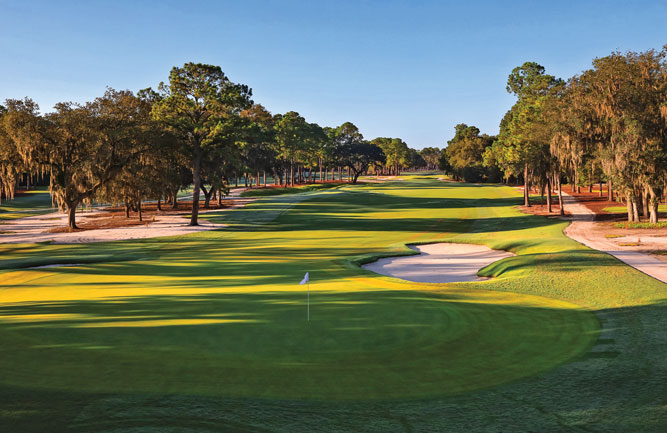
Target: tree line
{"type": "Point", "coordinates": [606, 125]}
{"type": "Point", "coordinates": [198, 130]}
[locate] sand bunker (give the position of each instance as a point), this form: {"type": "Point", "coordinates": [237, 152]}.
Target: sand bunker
{"type": "Point", "coordinates": [439, 263]}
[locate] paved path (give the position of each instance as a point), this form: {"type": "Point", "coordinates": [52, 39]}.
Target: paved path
{"type": "Point", "coordinates": [581, 230]}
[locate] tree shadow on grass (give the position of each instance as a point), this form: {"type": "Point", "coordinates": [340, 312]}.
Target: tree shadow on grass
{"type": "Point", "coordinates": [611, 388]}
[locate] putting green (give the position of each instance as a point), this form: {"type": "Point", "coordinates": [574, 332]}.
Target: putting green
{"type": "Point", "coordinates": [221, 313]}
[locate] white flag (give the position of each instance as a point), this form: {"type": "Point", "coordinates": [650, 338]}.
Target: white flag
{"type": "Point", "coordinates": [306, 278]}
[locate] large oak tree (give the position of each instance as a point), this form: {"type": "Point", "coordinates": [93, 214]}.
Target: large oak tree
{"type": "Point", "coordinates": [197, 104]}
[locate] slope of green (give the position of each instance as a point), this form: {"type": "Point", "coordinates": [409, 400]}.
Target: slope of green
{"type": "Point", "coordinates": [211, 326]}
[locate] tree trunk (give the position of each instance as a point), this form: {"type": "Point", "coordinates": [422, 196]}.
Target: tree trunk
{"type": "Point", "coordinates": [174, 204]}
{"type": "Point", "coordinates": [635, 209]}
{"type": "Point", "coordinates": [159, 205]}
{"type": "Point", "coordinates": [526, 186]}
{"type": "Point", "coordinates": [196, 180]}
{"type": "Point", "coordinates": [291, 172]}
{"type": "Point", "coordinates": [320, 167]}
{"type": "Point", "coordinates": [628, 204]}
{"type": "Point", "coordinates": [355, 176]}
{"type": "Point", "coordinates": [127, 209]}
{"type": "Point", "coordinates": [610, 191]}
{"type": "Point", "coordinates": [653, 208]}
{"type": "Point", "coordinates": [264, 174]}
{"type": "Point", "coordinates": [141, 216]}
{"type": "Point", "coordinates": [560, 195]}
{"type": "Point", "coordinates": [207, 196]}
{"type": "Point", "coordinates": [71, 211]}
{"type": "Point", "coordinates": [549, 195]}
{"type": "Point", "coordinates": [645, 202]}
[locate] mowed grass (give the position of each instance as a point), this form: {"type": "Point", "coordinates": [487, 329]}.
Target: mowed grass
{"type": "Point", "coordinates": [624, 209]}
{"type": "Point", "coordinates": [220, 314]}
{"type": "Point", "coordinates": [34, 202]}
{"type": "Point", "coordinates": [271, 191]}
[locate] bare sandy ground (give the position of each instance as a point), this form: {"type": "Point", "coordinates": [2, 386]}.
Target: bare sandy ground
{"type": "Point", "coordinates": [583, 230]}
{"type": "Point", "coordinates": [439, 263]}
{"type": "Point", "coordinates": [35, 229]}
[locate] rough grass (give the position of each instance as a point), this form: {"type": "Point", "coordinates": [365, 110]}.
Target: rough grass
{"type": "Point", "coordinates": [207, 332]}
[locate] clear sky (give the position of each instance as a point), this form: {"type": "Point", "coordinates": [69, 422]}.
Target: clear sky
{"type": "Point", "coordinates": [408, 69]}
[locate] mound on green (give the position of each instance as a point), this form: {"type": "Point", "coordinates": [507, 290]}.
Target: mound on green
{"type": "Point", "coordinates": [218, 318]}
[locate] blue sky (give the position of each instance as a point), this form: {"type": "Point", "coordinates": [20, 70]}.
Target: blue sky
{"type": "Point", "coordinates": [409, 69]}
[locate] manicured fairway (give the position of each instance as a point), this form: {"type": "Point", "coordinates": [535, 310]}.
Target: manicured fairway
{"type": "Point", "coordinates": [219, 316]}
{"type": "Point", "coordinates": [33, 202]}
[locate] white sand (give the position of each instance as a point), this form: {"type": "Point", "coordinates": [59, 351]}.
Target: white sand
{"type": "Point", "coordinates": [439, 263]}
{"type": "Point", "coordinates": [35, 229]}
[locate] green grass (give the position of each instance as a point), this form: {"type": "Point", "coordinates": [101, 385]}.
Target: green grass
{"type": "Point", "coordinates": [640, 225]}
{"type": "Point", "coordinates": [624, 209]}
{"type": "Point", "coordinates": [208, 331]}
{"type": "Point", "coordinates": [35, 202]}
{"type": "Point", "coordinates": [265, 192]}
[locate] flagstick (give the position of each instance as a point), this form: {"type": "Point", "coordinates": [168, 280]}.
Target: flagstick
{"type": "Point", "coordinates": [308, 283]}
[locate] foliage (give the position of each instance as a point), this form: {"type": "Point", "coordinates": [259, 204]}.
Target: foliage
{"type": "Point", "coordinates": [81, 147]}
{"type": "Point", "coordinates": [201, 107]}
{"type": "Point", "coordinates": [354, 152]}
{"type": "Point", "coordinates": [396, 153]}
{"type": "Point", "coordinates": [465, 155]}
{"type": "Point", "coordinates": [431, 156]}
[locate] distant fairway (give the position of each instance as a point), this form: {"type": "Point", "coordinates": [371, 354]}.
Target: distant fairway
{"type": "Point", "coordinates": [33, 202]}
{"type": "Point", "coordinates": [219, 316]}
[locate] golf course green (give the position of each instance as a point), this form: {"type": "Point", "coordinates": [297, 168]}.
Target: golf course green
{"type": "Point", "coordinates": [193, 330]}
